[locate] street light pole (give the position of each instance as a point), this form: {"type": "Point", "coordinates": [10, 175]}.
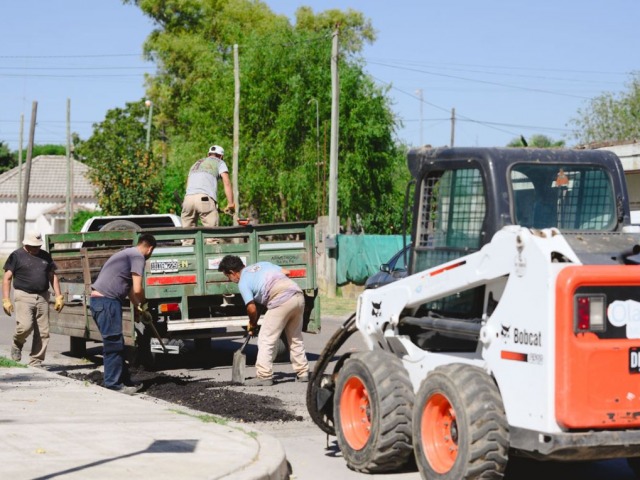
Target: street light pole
{"type": "Point", "coordinates": [149, 105]}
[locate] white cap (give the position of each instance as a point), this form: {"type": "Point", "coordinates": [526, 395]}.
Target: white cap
{"type": "Point", "coordinates": [217, 149]}
{"type": "Point", "coordinates": [33, 239]}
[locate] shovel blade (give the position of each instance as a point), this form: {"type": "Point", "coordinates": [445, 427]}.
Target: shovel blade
{"type": "Point", "coordinates": [238, 368]}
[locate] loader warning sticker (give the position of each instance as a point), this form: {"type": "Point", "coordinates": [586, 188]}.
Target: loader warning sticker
{"type": "Point", "coordinates": [634, 360]}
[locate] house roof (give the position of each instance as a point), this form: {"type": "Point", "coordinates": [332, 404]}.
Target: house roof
{"type": "Point", "coordinates": [48, 180]}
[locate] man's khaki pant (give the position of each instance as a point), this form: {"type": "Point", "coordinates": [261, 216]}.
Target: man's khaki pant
{"type": "Point", "coordinates": [199, 206]}
{"type": "Point", "coordinates": [32, 315]}
{"type": "Point", "coordinates": [288, 318]}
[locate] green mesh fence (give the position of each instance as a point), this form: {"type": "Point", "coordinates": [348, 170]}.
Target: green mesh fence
{"type": "Point", "coordinates": [360, 256]}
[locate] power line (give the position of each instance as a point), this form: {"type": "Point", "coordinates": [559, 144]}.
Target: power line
{"type": "Point", "coordinates": [26, 57]}
{"type": "Point", "coordinates": [486, 82]}
{"type": "Point", "coordinates": [488, 124]}
{"type": "Point", "coordinates": [536, 69]}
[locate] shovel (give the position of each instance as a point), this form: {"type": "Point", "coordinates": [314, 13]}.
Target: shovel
{"type": "Point", "coordinates": [239, 363]}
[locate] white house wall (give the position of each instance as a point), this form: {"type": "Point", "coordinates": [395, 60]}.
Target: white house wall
{"type": "Point", "coordinates": [36, 219]}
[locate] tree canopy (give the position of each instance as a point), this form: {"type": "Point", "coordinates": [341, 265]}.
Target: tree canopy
{"type": "Point", "coordinates": [7, 159]}
{"type": "Point", "coordinates": [610, 116]}
{"type": "Point", "coordinates": [285, 108]}
{"type": "Point", "coordinates": [126, 176]}
{"type": "Point", "coordinates": [536, 141]}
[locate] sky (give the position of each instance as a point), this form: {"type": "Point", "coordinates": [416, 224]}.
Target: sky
{"type": "Point", "coordinates": [508, 68]}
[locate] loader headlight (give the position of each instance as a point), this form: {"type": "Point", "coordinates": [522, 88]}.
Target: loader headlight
{"type": "Point", "coordinates": [589, 313]}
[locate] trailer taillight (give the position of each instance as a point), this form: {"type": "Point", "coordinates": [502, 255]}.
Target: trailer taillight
{"type": "Point", "coordinates": [297, 273]}
{"type": "Point", "coordinates": [589, 313]}
{"type": "Point", "coordinates": [168, 307]}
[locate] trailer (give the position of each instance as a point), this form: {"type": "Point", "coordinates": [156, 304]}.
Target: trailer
{"type": "Point", "coordinates": [187, 296]}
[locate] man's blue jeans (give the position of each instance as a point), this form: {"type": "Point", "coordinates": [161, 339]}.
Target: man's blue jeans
{"type": "Point", "coordinates": [107, 313]}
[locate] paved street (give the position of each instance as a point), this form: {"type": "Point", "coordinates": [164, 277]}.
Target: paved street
{"type": "Point", "coordinates": [311, 454]}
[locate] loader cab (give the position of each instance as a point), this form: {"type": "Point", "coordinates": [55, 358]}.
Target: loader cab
{"type": "Point", "coordinates": [463, 196]}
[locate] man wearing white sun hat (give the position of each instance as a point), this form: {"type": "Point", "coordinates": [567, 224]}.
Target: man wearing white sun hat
{"type": "Point", "coordinates": [31, 270]}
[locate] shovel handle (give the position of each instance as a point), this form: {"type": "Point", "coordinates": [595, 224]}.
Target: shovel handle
{"type": "Point", "coordinates": [158, 337]}
{"type": "Point", "coordinates": [244, 344]}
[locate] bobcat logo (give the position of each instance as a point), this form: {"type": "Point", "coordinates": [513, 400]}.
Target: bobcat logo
{"type": "Point", "coordinates": [505, 331]}
{"type": "Point", "coordinates": [376, 309]}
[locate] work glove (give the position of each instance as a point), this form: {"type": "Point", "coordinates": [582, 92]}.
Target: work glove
{"type": "Point", "coordinates": [144, 315]}
{"type": "Point", "coordinates": [59, 304]}
{"type": "Point", "coordinates": [252, 330]}
{"type": "Point", "coordinates": [230, 209]}
{"type": "Point", "coordinates": [7, 306]}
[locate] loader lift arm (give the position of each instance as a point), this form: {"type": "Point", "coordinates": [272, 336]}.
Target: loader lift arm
{"type": "Point", "coordinates": [322, 386]}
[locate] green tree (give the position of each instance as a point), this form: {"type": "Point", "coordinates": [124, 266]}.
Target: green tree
{"type": "Point", "coordinates": [7, 159]}
{"type": "Point", "coordinates": [611, 117]}
{"type": "Point", "coordinates": [47, 149]}
{"type": "Point", "coordinates": [284, 70]}
{"type": "Point", "coordinates": [536, 141]}
{"type": "Point", "coordinates": [126, 175]}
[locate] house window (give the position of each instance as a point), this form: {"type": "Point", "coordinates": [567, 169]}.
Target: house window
{"type": "Point", "coordinates": [11, 229]}
{"type": "Point", "coordinates": [59, 225]}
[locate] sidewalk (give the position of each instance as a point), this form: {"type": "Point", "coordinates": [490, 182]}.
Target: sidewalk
{"type": "Point", "coordinates": [56, 427]}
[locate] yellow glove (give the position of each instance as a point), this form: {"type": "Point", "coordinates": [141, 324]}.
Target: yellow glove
{"type": "Point", "coordinates": [59, 303]}
{"type": "Point", "coordinates": [7, 305]}
{"type": "Point", "coordinates": [144, 315]}
{"type": "Point", "coordinates": [251, 329]}
{"type": "Point", "coordinates": [230, 209]}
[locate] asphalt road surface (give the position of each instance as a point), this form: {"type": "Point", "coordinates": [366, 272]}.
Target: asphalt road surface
{"type": "Point", "coordinates": [311, 454]}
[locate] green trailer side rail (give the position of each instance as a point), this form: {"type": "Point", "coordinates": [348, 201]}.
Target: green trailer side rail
{"type": "Point", "coordinates": [187, 295]}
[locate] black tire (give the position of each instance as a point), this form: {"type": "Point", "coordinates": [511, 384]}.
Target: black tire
{"type": "Point", "coordinates": [282, 349]}
{"type": "Point", "coordinates": [372, 408]}
{"type": "Point", "coordinates": [202, 346]}
{"type": "Point", "coordinates": [459, 425]}
{"type": "Point", "coordinates": [120, 225]}
{"type": "Point", "coordinates": [77, 347]}
{"type": "Point", "coordinates": [634, 465]}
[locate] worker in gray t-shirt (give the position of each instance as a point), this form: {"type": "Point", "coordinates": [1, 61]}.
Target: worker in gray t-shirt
{"type": "Point", "coordinates": [120, 277]}
{"type": "Point", "coordinates": [201, 197]}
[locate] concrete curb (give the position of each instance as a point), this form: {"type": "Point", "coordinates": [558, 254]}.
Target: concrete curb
{"type": "Point", "coordinates": [59, 426]}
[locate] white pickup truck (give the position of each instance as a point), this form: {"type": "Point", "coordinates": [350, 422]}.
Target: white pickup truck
{"type": "Point", "coordinates": [130, 222]}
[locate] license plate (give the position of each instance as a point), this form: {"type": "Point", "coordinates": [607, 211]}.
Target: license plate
{"type": "Point", "coordinates": [164, 266]}
{"type": "Point", "coordinates": [634, 360]}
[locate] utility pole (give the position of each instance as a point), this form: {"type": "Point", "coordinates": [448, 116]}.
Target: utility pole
{"type": "Point", "coordinates": [333, 167]}
{"type": "Point", "coordinates": [317, 151]}
{"type": "Point", "coordinates": [453, 125]}
{"type": "Point", "coordinates": [419, 92]}
{"type": "Point", "coordinates": [20, 163]}
{"type": "Point", "coordinates": [25, 193]}
{"type": "Point", "coordinates": [149, 105]}
{"type": "Point", "coordinates": [236, 132]}
{"type": "Point", "coordinates": [68, 214]}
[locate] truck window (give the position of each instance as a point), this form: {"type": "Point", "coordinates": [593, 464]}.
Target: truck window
{"type": "Point", "coordinates": [570, 197]}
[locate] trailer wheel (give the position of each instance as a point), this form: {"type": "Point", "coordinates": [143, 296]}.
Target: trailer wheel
{"type": "Point", "coordinates": [282, 349]}
{"type": "Point", "coordinates": [372, 408]}
{"type": "Point", "coordinates": [634, 465]}
{"type": "Point", "coordinates": [77, 347]}
{"type": "Point", "coordinates": [459, 425]}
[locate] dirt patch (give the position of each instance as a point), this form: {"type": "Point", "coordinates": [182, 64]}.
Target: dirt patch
{"type": "Point", "coordinates": [216, 398]}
